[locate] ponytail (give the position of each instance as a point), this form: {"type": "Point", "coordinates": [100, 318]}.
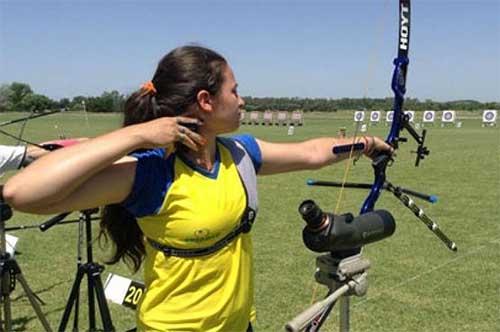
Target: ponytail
{"type": "Point", "coordinates": [127, 238]}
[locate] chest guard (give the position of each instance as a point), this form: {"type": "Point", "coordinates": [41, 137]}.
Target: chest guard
{"type": "Point", "coordinates": [248, 178]}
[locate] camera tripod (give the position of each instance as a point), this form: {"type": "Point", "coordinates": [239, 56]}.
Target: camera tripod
{"type": "Point", "coordinates": [95, 288]}
{"type": "Point", "coordinates": [9, 273]}
{"type": "Point", "coordinates": [344, 276]}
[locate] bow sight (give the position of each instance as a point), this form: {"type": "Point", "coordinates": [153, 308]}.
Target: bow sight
{"type": "Point", "coordinates": [422, 151]}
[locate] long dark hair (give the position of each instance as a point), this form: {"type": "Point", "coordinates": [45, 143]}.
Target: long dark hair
{"type": "Point", "coordinates": [180, 75]}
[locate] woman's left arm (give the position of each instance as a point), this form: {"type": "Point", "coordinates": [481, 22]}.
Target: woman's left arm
{"type": "Point", "coordinates": [313, 154]}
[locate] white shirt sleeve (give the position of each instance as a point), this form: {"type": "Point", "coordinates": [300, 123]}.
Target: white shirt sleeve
{"type": "Point", "coordinates": [11, 157]}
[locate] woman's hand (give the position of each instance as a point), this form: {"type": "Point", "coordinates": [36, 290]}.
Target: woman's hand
{"type": "Point", "coordinates": [374, 146]}
{"type": "Point", "coordinates": [166, 131]}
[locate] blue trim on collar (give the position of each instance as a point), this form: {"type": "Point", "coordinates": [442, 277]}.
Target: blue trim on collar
{"type": "Point", "coordinates": [209, 174]}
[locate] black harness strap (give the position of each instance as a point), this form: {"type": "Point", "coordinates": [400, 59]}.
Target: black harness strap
{"type": "Point", "coordinates": [244, 227]}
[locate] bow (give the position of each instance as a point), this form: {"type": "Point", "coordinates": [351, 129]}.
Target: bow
{"type": "Point", "coordinates": [32, 115]}
{"type": "Point", "coordinates": [344, 270]}
{"type": "Point", "coordinates": [401, 121]}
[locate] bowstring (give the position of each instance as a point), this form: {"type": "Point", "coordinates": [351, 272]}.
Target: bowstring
{"type": "Point", "coordinates": [347, 168]}
{"type": "Point", "coordinates": [380, 28]}
{"type": "Point", "coordinates": [23, 126]}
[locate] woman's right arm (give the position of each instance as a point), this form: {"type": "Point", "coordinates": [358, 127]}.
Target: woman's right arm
{"type": "Point", "coordinates": [92, 173]}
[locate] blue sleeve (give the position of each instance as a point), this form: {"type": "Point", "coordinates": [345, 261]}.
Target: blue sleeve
{"type": "Point", "coordinates": [253, 149]}
{"type": "Point", "coordinates": [153, 177]}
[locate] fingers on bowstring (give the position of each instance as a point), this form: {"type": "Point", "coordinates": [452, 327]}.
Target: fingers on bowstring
{"type": "Point", "coordinates": [183, 120]}
{"type": "Point", "coordinates": [190, 138]}
{"type": "Point", "coordinates": [187, 141]}
{"type": "Point", "coordinates": [192, 134]}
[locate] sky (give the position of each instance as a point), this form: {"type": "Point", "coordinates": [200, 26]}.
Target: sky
{"type": "Point", "coordinates": [316, 49]}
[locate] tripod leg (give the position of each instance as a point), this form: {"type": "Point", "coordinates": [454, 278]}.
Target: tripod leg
{"type": "Point", "coordinates": [103, 305]}
{"type": "Point", "coordinates": [77, 305]}
{"type": "Point", "coordinates": [8, 315]}
{"type": "Point", "coordinates": [71, 300]}
{"type": "Point", "coordinates": [38, 299]}
{"type": "Point", "coordinates": [5, 288]}
{"type": "Point", "coordinates": [32, 298]}
{"type": "Point", "coordinates": [91, 299]}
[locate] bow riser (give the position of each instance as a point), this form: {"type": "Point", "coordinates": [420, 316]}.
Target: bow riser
{"type": "Point", "coordinates": [398, 86]}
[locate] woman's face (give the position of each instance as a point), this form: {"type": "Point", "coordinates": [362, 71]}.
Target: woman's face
{"type": "Point", "coordinates": [227, 104]}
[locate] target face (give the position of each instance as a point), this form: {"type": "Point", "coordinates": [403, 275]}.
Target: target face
{"type": "Point", "coordinates": [448, 116]}
{"type": "Point", "coordinates": [375, 116]}
{"type": "Point", "coordinates": [429, 116]}
{"type": "Point", "coordinates": [489, 116]}
{"type": "Point", "coordinates": [411, 115]}
{"type": "Point", "coordinates": [359, 116]}
{"type": "Point", "coordinates": [389, 116]}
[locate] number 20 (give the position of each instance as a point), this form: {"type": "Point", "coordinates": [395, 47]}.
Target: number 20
{"type": "Point", "coordinates": [134, 294]}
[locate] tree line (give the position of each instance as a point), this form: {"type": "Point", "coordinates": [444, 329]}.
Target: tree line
{"type": "Point", "coordinates": [19, 97]}
{"type": "Point", "coordinates": [370, 104]}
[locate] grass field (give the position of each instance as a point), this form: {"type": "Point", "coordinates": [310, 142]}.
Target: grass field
{"type": "Point", "coordinates": [415, 283]}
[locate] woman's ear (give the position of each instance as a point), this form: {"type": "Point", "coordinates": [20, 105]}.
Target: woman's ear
{"type": "Point", "coordinates": [205, 101]}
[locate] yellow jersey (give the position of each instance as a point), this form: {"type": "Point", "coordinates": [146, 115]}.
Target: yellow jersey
{"type": "Point", "coordinates": [180, 205]}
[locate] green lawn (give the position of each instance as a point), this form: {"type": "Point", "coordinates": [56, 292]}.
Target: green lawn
{"type": "Point", "coordinates": [415, 282]}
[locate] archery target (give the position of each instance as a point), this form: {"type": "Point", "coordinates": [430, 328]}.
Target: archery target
{"type": "Point", "coordinates": [268, 117]}
{"type": "Point", "coordinates": [359, 116]}
{"type": "Point", "coordinates": [411, 114]}
{"type": "Point", "coordinates": [298, 117]}
{"type": "Point", "coordinates": [254, 117]}
{"type": "Point", "coordinates": [282, 118]}
{"type": "Point", "coordinates": [489, 116]}
{"type": "Point", "coordinates": [448, 116]}
{"type": "Point", "coordinates": [388, 116]}
{"type": "Point", "coordinates": [429, 116]}
{"type": "Point", "coordinates": [375, 116]}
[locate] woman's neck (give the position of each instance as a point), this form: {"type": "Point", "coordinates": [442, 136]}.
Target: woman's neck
{"type": "Point", "coordinates": [205, 156]}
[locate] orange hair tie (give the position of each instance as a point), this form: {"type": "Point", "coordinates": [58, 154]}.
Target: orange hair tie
{"type": "Point", "coordinates": [148, 88]}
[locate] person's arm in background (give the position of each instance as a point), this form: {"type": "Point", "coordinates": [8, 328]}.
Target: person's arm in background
{"type": "Point", "coordinates": [12, 157]}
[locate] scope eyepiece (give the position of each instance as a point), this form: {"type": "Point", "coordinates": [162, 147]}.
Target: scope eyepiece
{"type": "Point", "coordinates": [5, 211]}
{"type": "Point", "coordinates": [311, 213]}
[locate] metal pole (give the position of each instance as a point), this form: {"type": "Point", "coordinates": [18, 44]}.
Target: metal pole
{"type": "Point", "coordinates": [344, 313]}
